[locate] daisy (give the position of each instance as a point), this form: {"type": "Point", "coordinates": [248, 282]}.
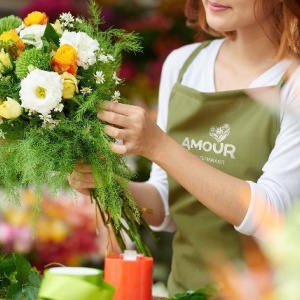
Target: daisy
{"type": "Point", "coordinates": [100, 78]}
{"type": "Point", "coordinates": [66, 19]}
{"type": "Point", "coordinates": [116, 96]}
{"type": "Point", "coordinates": [86, 90]}
{"type": "Point", "coordinates": [116, 78]}
{"type": "Point", "coordinates": [2, 134]}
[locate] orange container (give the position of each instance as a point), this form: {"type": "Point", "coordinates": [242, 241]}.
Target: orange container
{"type": "Point", "coordinates": [131, 278]}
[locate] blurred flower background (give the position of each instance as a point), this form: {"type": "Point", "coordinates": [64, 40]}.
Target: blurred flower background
{"type": "Point", "coordinates": [64, 230]}
{"type": "Point", "coordinates": [67, 231]}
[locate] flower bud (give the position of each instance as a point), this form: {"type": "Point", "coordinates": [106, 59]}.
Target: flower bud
{"type": "Point", "coordinates": [57, 27]}
{"type": "Point", "coordinates": [5, 62]}
{"type": "Point", "coordinates": [70, 84]}
{"type": "Point", "coordinates": [10, 109]}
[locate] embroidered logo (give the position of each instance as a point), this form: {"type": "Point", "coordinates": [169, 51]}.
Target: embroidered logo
{"type": "Point", "coordinates": [219, 133]}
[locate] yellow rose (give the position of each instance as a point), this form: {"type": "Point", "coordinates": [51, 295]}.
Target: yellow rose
{"type": "Point", "coordinates": [15, 44]}
{"type": "Point", "coordinates": [5, 62]}
{"type": "Point", "coordinates": [70, 85]}
{"type": "Point", "coordinates": [10, 109]}
{"type": "Point", "coordinates": [36, 18]}
{"type": "Point", "coordinates": [64, 60]}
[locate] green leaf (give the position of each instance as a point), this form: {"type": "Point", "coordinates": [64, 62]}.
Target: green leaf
{"type": "Point", "coordinates": [51, 35]}
{"type": "Point", "coordinates": [14, 292]}
{"type": "Point", "coordinates": [34, 279]}
{"type": "Point", "coordinates": [200, 294]}
{"type": "Point", "coordinates": [21, 281]}
{"type": "Point", "coordinates": [23, 268]}
{"type": "Point", "coordinates": [9, 22]}
{"type": "Point", "coordinates": [7, 266]}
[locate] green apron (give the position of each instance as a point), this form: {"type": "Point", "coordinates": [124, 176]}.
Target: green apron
{"type": "Point", "coordinates": [231, 132]}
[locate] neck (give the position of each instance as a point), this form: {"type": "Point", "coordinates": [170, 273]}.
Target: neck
{"type": "Point", "coordinates": [253, 50]}
{"type": "Point", "coordinates": [244, 59]}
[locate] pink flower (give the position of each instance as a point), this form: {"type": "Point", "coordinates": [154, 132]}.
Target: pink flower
{"type": "Point", "coordinates": [6, 234]}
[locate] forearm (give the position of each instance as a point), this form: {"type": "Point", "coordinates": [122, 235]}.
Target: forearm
{"type": "Point", "coordinates": [223, 194]}
{"type": "Point", "coordinates": [149, 200]}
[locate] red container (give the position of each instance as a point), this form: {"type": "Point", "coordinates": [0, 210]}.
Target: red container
{"type": "Point", "coordinates": [131, 278]}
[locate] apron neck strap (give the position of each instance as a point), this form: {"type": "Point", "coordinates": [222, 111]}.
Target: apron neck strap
{"type": "Point", "coordinates": [190, 59]}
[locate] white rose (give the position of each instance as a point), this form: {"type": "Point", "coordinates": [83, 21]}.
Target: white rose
{"type": "Point", "coordinates": [32, 35]}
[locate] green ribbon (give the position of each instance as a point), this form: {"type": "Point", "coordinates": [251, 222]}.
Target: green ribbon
{"type": "Point", "coordinates": [75, 287]}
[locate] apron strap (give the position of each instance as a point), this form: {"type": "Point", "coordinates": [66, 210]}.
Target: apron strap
{"type": "Point", "coordinates": [286, 76]}
{"type": "Point", "coordinates": [191, 58]}
{"type": "Point", "coordinates": [183, 69]}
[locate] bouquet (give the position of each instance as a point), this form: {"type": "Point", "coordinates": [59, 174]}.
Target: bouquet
{"type": "Point", "coordinates": [54, 78]}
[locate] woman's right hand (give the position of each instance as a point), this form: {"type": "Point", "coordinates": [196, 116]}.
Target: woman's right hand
{"type": "Point", "coordinates": [82, 179]}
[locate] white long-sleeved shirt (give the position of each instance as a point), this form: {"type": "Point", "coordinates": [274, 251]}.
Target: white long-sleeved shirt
{"type": "Point", "coordinates": [279, 185]}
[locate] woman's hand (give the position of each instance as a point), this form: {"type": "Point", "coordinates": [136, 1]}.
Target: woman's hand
{"type": "Point", "coordinates": [82, 179]}
{"type": "Point", "coordinates": [132, 125]}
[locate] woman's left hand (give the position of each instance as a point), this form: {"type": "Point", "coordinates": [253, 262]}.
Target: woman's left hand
{"type": "Point", "coordinates": [131, 124]}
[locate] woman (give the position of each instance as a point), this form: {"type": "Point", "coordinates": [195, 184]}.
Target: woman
{"type": "Point", "coordinates": [221, 160]}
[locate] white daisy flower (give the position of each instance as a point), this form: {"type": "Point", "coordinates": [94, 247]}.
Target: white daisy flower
{"type": "Point", "coordinates": [66, 19]}
{"type": "Point", "coordinates": [100, 78]}
{"type": "Point", "coordinates": [86, 90]}
{"type": "Point", "coordinates": [41, 91]}
{"type": "Point", "coordinates": [32, 35]}
{"type": "Point", "coordinates": [103, 58]}
{"type": "Point", "coordinates": [116, 96]}
{"type": "Point", "coordinates": [30, 112]}
{"type": "Point", "coordinates": [116, 78]}
{"type": "Point", "coordinates": [46, 118]}
{"type": "Point", "coordinates": [1, 121]}
{"type": "Point", "coordinates": [85, 46]}
{"type": "Point", "coordinates": [50, 124]}
{"type": "Point", "coordinates": [110, 57]}
{"type": "Point", "coordinates": [2, 134]}
{"type": "Point", "coordinates": [59, 107]}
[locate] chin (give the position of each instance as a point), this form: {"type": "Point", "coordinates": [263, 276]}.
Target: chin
{"type": "Point", "coordinates": [219, 26]}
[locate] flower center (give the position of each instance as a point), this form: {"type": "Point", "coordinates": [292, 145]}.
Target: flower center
{"type": "Point", "coordinates": [40, 92]}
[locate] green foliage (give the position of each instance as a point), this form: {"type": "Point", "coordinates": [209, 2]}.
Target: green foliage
{"type": "Point", "coordinates": [33, 58]}
{"type": "Point", "coordinates": [18, 280]}
{"type": "Point", "coordinates": [207, 293]}
{"type": "Point", "coordinates": [44, 154]}
{"type": "Point", "coordinates": [9, 22]}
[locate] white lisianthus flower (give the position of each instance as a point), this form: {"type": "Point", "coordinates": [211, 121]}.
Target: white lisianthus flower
{"type": "Point", "coordinates": [41, 91]}
{"type": "Point", "coordinates": [85, 46]}
{"type": "Point", "coordinates": [32, 35]}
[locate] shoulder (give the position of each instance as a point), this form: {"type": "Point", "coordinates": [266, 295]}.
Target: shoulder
{"type": "Point", "coordinates": [177, 57]}
{"type": "Point", "coordinates": [291, 91]}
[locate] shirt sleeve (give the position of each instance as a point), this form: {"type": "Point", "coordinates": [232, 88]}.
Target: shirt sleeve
{"type": "Point", "coordinates": [274, 193]}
